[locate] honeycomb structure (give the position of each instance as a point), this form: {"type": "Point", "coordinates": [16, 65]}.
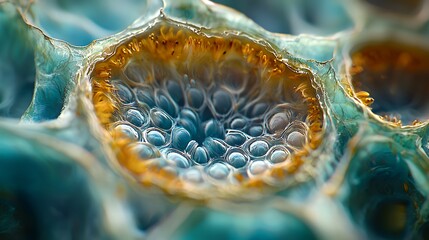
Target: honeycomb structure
{"type": "Point", "coordinates": [193, 120]}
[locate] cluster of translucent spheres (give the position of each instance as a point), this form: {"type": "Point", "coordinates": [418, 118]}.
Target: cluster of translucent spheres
{"type": "Point", "coordinates": [186, 119]}
{"type": "Point", "coordinates": [208, 129]}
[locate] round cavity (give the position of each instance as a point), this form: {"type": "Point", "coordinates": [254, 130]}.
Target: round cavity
{"type": "Point", "coordinates": [145, 150]}
{"type": "Point", "coordinates": [175, 91]}
{"type": "Point", "coordinates": [238, 123]}
{"type": "Point", "coordinates": [200, 155]}
{"type": "Point", "coordinates": [215, 147]}
{"type": "Point", "coordinates": [258, 110]}
{"type": "Point", "coordinates": [218, 171]}
{"type": "Point", "coordinates": [190, 115]}
{"type": "Point", "coordinates": [258, 148]}
{"type": "Point", "coordinates": [256, 130]}
{"type": "Point", "coordinates": [190, 148]}
{"type": "Point", "coordinates": [145, 95]}
{"type": "Point", "coordinates": [258, 167]}
{"type": "Point", "coordinates": [161, 119]}
{"type": "Point", "coordinates": [180, 138]}
{"type": "Point", "coordinates": [278, 122]}
{"type": "Point", "coordinates": [296, 139]}
{"type": "Point", "coordinates": [189, 121]}
{"type": "Point", "coordinates": [195, 97]}
{"type": "Point", "coordinates": [235, 138]}
{"type": "Point", "coordinates": [278, 154]}
{"type": "Point", "coordinates": [222, 102]}
{"type": "Point", "coordinates": [128, 131]}
{"type": "Point", "coordinates": [163, 101]}
{"type": "Point", "coordinates": [156, 137]}
{"type": "Point", "coordinates": [179, 159]}
{"type": "Point", "coordinates": [199, 121]}
{"type": "Point", "coordinates": [124, 93]}
{"type": "Point", "coordinates": [237, 158]}
{"type": "Point", "coordinates": [213, 128]}
{"type": "Point", "coordinates": [395, 76]}
{"type": "Point", "coordinates": [136, 117]}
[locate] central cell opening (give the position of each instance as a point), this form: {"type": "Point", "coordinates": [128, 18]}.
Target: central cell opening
{"type": "Point", "coordinates": [395, 74]}
{"type": "Point", "coordinates": [206, 109]}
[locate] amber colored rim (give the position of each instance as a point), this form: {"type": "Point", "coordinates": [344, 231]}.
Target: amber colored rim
{"type": "Point", "coordinates": [172, 42]}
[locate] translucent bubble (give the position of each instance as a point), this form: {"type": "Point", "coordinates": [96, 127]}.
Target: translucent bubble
{"type": "Point", "coordinates": [215, 147]}
{"type": "Point", "coordinates": [256, 130]}
{"type": "Point", "coordinates": [296, 139]}
{"type": "Point", "coordinates": [235, 138]}
{"type": "Point", "coordinates": [145, 150]}
{"type": "Point", "coordinates": [163, 101]}
{"type": "Point", "coordinates": [218, 170]}
{"type": "Point", "coordinates": [180, 138]}
{"type": "Point", "coordinates": [278, 154]}
{"type": "Point", "coordinates": [258, 148]}
{"type": "Point", "coordinates": [200, 155]}
{"type": "Point", "coordinates": [213, 128]}
{"type": "Point", "coordinates": [190, 148]}
{"type": "Point", "coordinates": [129, 131]}
{"type": "Point", "coordinates": [175, 91]}
{"type": "Point", "coordinates": [189, 120]}
{"type": "Point", "coordinates": [189, 126]}
{"type": "Point", "coordinates": [237, 158]}
{"type": "Point", "coordinates": [193, 175]}
{"type": "Point", "coordinates": [278, 122]}
{"type": "Point", "coordinates": [145, 95]}
{"type": "Point", "coordinates": [238, 123]}
{"type": "Point", "coordinates": [136, 117]}
{"type": "Point", "coordinates": [258, 167]}
{"type": "Point", "coordinates": [258, 110]}
{"type": "Point", "coordinates": [189, 114]}
{"type": "Point", "coordinates": [160, 119]}
{"type": "Point", "coordinates": [124, 93]}
{"type": "Point", "coordinates": [179, 159]}
{"type": "Point", "coordinates": [196, 98]}
{"type": "Point", "coordinates": [156, 137]}
{"type": "Point", "coordinates": [222, 102]}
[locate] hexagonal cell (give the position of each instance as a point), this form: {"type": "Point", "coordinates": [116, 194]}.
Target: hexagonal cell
{"type": "Point", "coordinates": [382, 193]}
{"type": "Point", "coordinates": [395, 75]}
{"type": "Point", "coordinates": [210, 88]}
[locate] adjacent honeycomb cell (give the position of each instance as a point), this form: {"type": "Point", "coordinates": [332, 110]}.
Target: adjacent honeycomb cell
{"type": "Point", "coordinates": [383, 195]}
{"type": "Point", "coordinates": [17, 68]}
{"type": "Point", "coordinates": [395, 75]}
